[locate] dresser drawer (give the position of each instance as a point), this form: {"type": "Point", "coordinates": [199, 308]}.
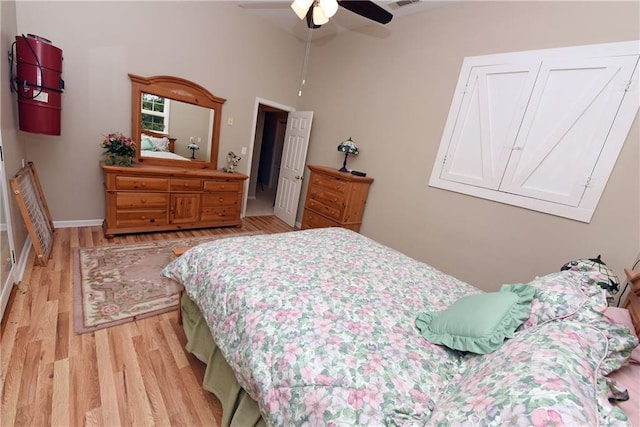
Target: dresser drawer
{"type": "Point", "coordinates": [326, 210]}
{"type": "Point", "coordinates": [185, 184]}
{"type": "Point", "coordinates": [135, 200]}
{"type": "Point", "coordinates": [141, 183]}
{"type": "Point", "coordinates": [311, 219]}
{"type": "Point", "coordinates": [222, 186]}
{"type": "Point", "coordinates": [221, 214]}
{"type": "Point", "coordinates": [326, 197]}
{"type": "Point", "coordinates": [331, 183]}
{"type": "Point", "coordinates": [220, 199]}
{"type": "Point", "coordinates": [141, 218]}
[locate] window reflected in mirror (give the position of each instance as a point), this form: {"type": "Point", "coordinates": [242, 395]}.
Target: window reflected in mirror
{"type": "Point", "coordinates": [155, 113]}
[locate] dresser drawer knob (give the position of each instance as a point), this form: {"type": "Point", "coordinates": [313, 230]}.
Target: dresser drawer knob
{"type": "Point", "coordinates": [143, 217]}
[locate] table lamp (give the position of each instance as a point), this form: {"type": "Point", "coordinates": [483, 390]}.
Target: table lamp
{"type": "Point", "coordinates": [347, 147]}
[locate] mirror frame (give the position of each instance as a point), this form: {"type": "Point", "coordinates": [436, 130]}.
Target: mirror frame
{"type": "Point", "coordinates": [174, 88]}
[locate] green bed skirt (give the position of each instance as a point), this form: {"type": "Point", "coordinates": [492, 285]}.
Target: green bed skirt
{"type": "Point", "coordinates": [238, 408]}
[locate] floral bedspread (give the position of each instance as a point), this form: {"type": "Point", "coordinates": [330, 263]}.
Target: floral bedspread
{"type": "Point", "coordinates": [318, 326]}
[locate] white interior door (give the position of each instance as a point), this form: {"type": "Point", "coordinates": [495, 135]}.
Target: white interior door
{"type": "Point", "coordinates": [294, 156]}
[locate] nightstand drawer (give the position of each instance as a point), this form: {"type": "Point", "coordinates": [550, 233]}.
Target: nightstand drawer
{"type": "Point", "coordinates": [313, 220]}
{"type": "Point", "coordinates": [185, 184]}
{"type": "Point", "coordinates": [326, 197]}
{"type": "Point", "coordinates": [141, 200]}
{"type": "Point", "coordinates": [326, 210]}
{"type": "Point", "coordinates": [222, 186]}
{"type": "Point", "coordinates": [141, 183]}
{"type": "Point", "coordinates": [331, 183]}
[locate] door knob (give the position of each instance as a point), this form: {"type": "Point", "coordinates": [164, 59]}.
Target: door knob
{"type": "Point", "coordinates": [299, 177]}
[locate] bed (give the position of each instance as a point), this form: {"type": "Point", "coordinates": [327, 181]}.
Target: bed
{"type": "Point", "coordinates": [327, 327]}
{"type": "Point", "coordinates": [159, 146]}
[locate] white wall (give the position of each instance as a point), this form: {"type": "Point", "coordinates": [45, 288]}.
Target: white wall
{"type": "Point", "coordinates": [390, 89]}
{"type": "Point", "coordinates": [13, 145]}
{"type": "Point", "coordinates": [217, 45]}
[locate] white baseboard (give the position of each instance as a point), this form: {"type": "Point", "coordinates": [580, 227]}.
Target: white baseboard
{"type": "Point", "coordinates": [78, 223]}
{"type": "Point", "coordinates": [15, 275]}
{"type": "Point", "coordinates": [21, 264]}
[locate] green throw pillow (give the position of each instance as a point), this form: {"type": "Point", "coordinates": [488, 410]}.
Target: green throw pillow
{"type": "Point", "coordinates": [479, 323]}
{"type": "Point", "coordinates": [147, 144]}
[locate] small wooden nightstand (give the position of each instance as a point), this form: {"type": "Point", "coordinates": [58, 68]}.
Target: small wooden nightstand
{"type": "Point", "coordinates": [335, 199]}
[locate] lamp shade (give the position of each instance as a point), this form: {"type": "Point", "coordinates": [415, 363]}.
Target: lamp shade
{"type": "Point", "coordinates": [348, 147]}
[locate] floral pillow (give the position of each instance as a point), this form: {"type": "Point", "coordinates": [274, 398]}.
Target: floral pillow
{"type": "Point", "coordinates": [621, 316]}
{"type": "Point", "coordinates": [600, 274]}
{"type": "Point", "coordinates": [548, 375]}
{"type": "Point", "coordinates": [564, 294]}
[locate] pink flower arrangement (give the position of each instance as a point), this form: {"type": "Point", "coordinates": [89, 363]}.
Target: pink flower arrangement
{"type": "Point", "coordinates": [119, 145]}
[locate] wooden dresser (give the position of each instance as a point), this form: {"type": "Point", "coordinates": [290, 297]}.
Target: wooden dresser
{"type": "Point", "coordinates": [335, 199]}
{"type": "Point", "coordinates": [148, 198]}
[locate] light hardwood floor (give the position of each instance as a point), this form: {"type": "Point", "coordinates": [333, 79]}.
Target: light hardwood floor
{"type": "Point", "coordinates": [136, 374]}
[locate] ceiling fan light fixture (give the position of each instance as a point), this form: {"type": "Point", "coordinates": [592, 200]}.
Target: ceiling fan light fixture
{"type": "Point", "coordinates": [329, 7]}
{"type": "Point", "coordinates": [319, 18]}
{"type": "Point", "coordinates": [301, 7]}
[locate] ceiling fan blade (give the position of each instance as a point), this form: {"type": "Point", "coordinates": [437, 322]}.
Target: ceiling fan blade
{"type": "Point", "coordinates": [368, 9]}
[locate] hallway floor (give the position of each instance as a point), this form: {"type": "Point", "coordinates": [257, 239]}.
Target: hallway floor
{"type": "Point", "coordinates": [263, 203]}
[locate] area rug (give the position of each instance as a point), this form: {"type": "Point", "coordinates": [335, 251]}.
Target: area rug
{"type": "Point", "coordinates": [115, 284]}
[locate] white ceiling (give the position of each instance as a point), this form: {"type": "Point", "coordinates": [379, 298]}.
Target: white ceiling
{"type": "Point", "coordinates": [279, 12]}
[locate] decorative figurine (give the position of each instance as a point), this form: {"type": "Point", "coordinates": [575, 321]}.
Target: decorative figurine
{"type": "Point", "coordinates": [232, 162]}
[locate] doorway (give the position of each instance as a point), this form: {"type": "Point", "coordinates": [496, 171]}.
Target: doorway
{"type": "Point", "coordinates": [265, 156]}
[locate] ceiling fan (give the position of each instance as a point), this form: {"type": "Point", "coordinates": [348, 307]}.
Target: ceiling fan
{"type": "Point", "coordinates": [318, 12]}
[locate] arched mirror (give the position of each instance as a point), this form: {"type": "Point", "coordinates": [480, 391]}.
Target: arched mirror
{"type": "Point", "coordinates": [175, 122]}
